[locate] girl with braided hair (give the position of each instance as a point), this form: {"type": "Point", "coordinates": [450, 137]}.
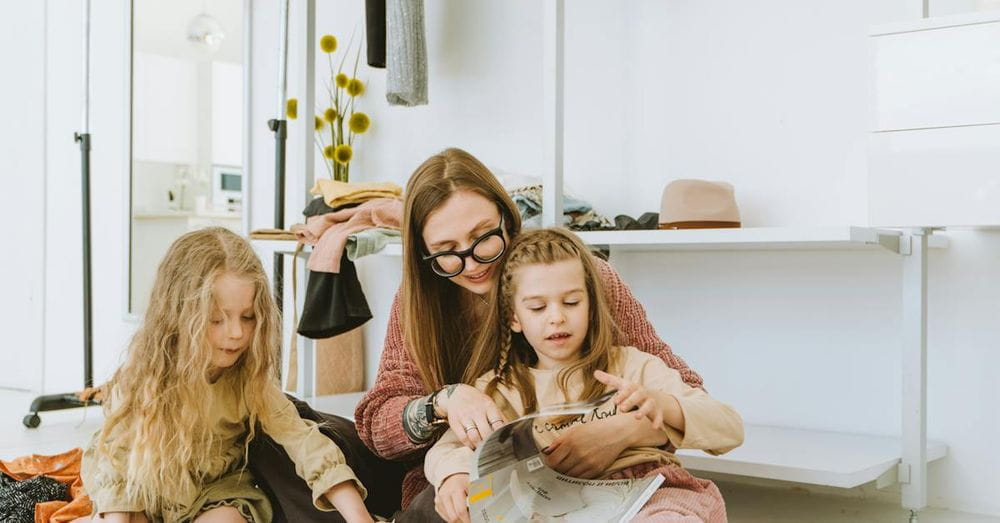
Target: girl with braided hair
{"type": "Point", "coordinates": [549, 337]}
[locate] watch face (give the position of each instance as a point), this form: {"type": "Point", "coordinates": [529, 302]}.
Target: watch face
{"type": "Point", "coordinates": [429, 408]}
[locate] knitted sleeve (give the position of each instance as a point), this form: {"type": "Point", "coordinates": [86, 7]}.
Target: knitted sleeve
{"type": "Point", "coordinates": [631, 318]}
{"type": "Point", "coordinates": [379, 414]}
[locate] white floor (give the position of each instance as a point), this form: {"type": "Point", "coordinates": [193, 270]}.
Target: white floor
{"type": "Point", "coordinates": [747, 503]}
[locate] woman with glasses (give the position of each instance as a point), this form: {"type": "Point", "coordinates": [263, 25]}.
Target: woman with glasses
{"type": "Point", "coordinates": [457, 222]}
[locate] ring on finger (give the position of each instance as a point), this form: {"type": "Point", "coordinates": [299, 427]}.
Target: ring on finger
{"type": "Point", "coordinates": [494, 422]}
{"type": "Point", "coordinates": [467, 429]}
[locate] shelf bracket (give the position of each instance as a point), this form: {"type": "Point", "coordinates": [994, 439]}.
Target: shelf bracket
{"type": "Point", "coordinates": [903, 472]}
{"type": "Point", "coordinates": [892, 242]}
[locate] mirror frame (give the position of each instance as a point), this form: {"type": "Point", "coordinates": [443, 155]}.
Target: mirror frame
{"type": "Point", "coordinates": [129, 22]}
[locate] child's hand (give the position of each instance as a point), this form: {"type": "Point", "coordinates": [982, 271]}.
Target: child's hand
{"type": "Point", "coordinates": [451, 499]}
{"type": "Point", "coordinates": [631, 395]}
{"type": "Point", "coordinates": [344, 497]}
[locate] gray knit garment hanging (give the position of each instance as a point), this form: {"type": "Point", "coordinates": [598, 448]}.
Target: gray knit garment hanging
{"type": "Point", "coordinates": [406, 53]}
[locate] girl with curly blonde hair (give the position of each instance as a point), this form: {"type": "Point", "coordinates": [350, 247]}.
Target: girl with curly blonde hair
{"type": "Point", "coordinates": [198, 384]}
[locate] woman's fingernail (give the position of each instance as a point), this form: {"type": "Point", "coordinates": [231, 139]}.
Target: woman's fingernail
{"type": "Point", "coordinates": [546, 451]}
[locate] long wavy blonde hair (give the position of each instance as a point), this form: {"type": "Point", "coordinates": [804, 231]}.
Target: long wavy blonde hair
{"type": "Point", "coordinates": [509, 354]}
{"type": "Point", "coordinates": [157, 409]}
{"type": "Point", "coordinates": [438, 336]}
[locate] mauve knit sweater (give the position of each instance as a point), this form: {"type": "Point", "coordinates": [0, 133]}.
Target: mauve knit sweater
{"type": "Point", "coordinates": [379, 415]}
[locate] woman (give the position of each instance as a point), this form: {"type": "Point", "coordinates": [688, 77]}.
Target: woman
{"type": "Point", "coordinates": [457, 222]}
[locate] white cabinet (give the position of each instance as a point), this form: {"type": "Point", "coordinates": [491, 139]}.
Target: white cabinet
{"type": "Point", "coordinates": [935, 151]}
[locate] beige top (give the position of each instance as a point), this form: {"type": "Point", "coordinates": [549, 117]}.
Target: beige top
{"type": "Point", "coordinates": [318, 460]}
{"type": "Point", "coordinates": [710, 425]}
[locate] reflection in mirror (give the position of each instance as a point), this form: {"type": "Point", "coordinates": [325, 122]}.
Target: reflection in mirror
{"type": "Point", "coordinates": [187, 128]}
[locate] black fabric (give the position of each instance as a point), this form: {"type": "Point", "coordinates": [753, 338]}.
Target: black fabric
{"type": "Point", "coordinates": [18, 498]}
{"type": "Point", "coordinates": [375, 25]}
{"type": "Point", "coordinates": [334, 303]}
{"type": "Point", "coordinates": [318, 206]}
{"type": "Point", "coordinates": [291, 497]}
{"type": "Point", "coordinates": [648, 220]}
{"type": "Point", "coordinates": [421, 509]}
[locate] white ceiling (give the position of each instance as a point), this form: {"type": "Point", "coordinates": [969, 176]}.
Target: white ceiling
{"type": "Point", "coordinates": [160, 27]}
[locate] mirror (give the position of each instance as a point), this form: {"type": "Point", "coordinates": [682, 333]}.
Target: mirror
{"type": "Point", "coordinates": [187, 128]}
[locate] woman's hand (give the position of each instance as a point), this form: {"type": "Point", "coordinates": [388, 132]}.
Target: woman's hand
{"type": "Point", "coordinates": [632, 396]}
{"type": "Point", "coordinates": [450, 501]}
{"type": "Point", "coordinates": [471, 414]}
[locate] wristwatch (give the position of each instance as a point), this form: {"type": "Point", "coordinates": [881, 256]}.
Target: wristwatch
{"type": "Point", "coordinates": [432, 417]}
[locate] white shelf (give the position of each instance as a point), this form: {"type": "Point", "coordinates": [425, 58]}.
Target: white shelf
{"type": "Point", "coordinates": [393, 248]}
{"type": "Point", "coordinates": [806, 456]}
{"type": "Point", "coordinates": [761, 238]}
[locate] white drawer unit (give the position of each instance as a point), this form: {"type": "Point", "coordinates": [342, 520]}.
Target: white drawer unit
{"type": "Point", "coordinates": [934, 158]}
{"type": "Point", "coordinates": [937, 72]}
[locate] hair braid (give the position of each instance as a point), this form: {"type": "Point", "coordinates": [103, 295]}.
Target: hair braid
{"type": "Point", "coordinates": [503, 365]}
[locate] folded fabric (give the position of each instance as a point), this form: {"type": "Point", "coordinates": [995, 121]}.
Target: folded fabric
{"type": "Point", "coordinates": [369, 241]}
{"type": "Point", "coordinates": [64, 468]}
{"type": "Point", "coordinates": [272, 234]}
{"type": "Point", "coordinates": [328, 233]}
{"type": "Point", "coordinates": [337, 194]}
{"type": "Point", "coordinates": [529, 201]}
{"type": "Point", "coordinates": [648, 221]}
{"type": "Point", "coordinates": [591, 221]}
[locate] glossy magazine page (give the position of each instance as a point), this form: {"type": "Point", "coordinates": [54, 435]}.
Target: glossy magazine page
{"type": "Point", "coordinates": [510, 482]}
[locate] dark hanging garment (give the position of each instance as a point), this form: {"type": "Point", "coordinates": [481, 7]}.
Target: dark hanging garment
{"type": "Point", "coordinates": [334, 303]}
{"type": "Point", "coordinates": [375, 25]}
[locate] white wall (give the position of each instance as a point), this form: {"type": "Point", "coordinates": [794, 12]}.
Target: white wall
{"type": "Point", "coordinates": [63, 297]}
{"type": "Point", "coordinates": [22, 198]}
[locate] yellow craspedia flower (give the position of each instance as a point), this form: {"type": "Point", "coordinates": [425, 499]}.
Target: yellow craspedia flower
{"type": "Point", "coordinates": [359, 123]}
{"type": "Point", "coordinates": [341, 80]}
{"type": "Point", "coordinates": [328, 43]}
{"type": "Point", "coordinates": [343, 153]}
{"type": "Point", "coordinates": [330, 115]}
{"type": "Point", "coordinates": [319, 123]}
{"type": "Point", "coordinates": [292, 108]}
{"type": "Point", "coordinates": [328, 151]}
{"type": "Point", "coordinates": [355, 87]}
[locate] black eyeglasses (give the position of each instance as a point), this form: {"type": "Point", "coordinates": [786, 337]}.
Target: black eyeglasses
{"type": "Point", "coordinates": [486, 249]}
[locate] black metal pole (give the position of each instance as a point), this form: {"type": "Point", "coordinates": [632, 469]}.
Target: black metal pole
{"type": "Point", "coordinates": [88, 302]}
{"type": "Point", "coordinates": [280, 129]}
{"type": "Point", "coordinates": [71, 400]}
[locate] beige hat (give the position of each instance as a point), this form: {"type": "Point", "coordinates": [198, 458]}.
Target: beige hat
{"type": "Point", "coordinates": [698, 204]}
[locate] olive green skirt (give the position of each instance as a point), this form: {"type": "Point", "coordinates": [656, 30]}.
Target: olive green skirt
{"type": "Point", "coordinates": [235, 489]}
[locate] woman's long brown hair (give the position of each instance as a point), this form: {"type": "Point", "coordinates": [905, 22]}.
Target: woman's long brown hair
{"type": "Point", "coordinates": [434, 325]}
{"type": "Point", "coordinates": [508, 353]}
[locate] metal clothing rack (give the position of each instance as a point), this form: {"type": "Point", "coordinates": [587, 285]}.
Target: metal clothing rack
{"type": "Point", "coordinates": [71, 400]}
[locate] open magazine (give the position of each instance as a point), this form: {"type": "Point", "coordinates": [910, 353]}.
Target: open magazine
{"type": "Point", "coordinates": [510, 481]}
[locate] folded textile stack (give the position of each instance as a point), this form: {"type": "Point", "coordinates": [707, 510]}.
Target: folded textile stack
{"type": "Point", "coordinates": [338, 194]}
{"type": "Point", "coordinates": [578, 214]}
